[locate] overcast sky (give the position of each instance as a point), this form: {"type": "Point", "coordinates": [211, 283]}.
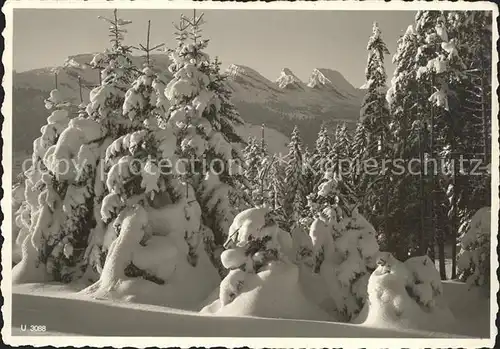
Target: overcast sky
{"type": "Point", "coordinates": [264, 40]}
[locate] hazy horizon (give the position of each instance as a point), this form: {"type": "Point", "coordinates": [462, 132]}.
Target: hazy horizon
{"type": "Point", "coordinates": [266, 41]}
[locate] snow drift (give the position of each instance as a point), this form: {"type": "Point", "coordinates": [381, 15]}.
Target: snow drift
{"type": "Point", "coordinates": [405, 295]}
{"type": "Point", "coordinates": [262, 280]}
{"type": "Point", "coordinates": [169, 279]}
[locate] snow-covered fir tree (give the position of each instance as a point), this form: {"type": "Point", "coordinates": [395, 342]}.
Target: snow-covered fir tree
{"type": "Point", "coordinates": [475, 242]}
{"type": "Point", "coordinates": [249, 249]}
{"type": "Point", "coordinates": [469, 129]}
{"type": "Point", "coordinates": [359, 142]}
{"type": "Point", "coordinates": [295, 200]}
{"type": "Point", "coordinates": [341, 151]}
{"type": "Point", "coordinates": [200, 126]}
{"type": "Point", "coordinates": [103, 124]}
{"type": "Point", "coordinates": [222, 195]}
{"type": "Point", "coordinates": [409, 292]}
{"type": "Point", "coordinates": [440, 69]}
{"type": "Point", "coordinates": [40, 213]}
{"type": "Point", "coordinates": [261, 263]}
{"type": "Point", "coordinates": [403, 100]}
{"type": "Point", "coordinates": [205, 122]}
{"type": "Point", "coordinates": [319, 163]}
{"type": "Point", "coordinates": [425, 283]}
{"type": "Point", "coordinates": [251, 155]}
{"type": "Point", "coordinates": [376, 118]}
{"type": "Point", "coordinates": [256, 156]}
{"type": "Point", "coordinates": [138, 164]}
{"type": "Point", "coordinates": [323, 147]}
{"type": "Point", "coordinates": [344, 251]}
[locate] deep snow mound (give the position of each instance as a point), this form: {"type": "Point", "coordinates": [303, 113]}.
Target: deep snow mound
{"type": "Point", "coordinates": [426, 286]}
{"type": "Point", "coordinates": [474, 258]}
{"type": "Point", "coordinates": [274, 292]}
{"type": "Point", "coordinates": [262, 279]}
{"type": "Point", "coordinates": [391, 301]}
{"type": "Point", "coordinates": [344, 250]}
{"type": "Point", "coordinates": [167, 276]}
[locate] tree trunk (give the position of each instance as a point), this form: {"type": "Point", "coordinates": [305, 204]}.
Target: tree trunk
{"type": "Point", "coordinates": [454, 208]}
{"type": "Point", "coordinates": [442, 264]}
{"type": "Point", "coordinates": [388, 235]}
{"type": "Point", "coordinates": [80, 88]}
{"type": "Point", "coordinates": [454, 253]}
{"type": "Point", "coordinates": [422, 246]}
{"type": "Point", "coordinates": [432, 226]}
{"type": "Point", "coordinates": [486, 131]}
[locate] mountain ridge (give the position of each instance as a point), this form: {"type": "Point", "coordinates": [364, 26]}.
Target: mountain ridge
{"type": "Point", "coordinates": [258, 99]}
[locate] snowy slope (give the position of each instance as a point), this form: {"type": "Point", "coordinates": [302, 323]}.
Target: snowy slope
{"type": "Point", "coordinates": [49, 305]}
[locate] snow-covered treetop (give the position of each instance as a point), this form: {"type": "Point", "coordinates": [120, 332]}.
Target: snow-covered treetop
{"type": "Point", "coordinates": [54, 98]}
{"type": "Point", "coordinates": [403, 59]}
{"type": "Point", "coordinates": [117, 72]}
{"type": "Point", "coordinates": [407, 39]}
{"type": "Point", "coordinates": [323, 142]}
{"type": "Point", "coordinates": [410, 30]}
{"type": "Point", "coordinates": [437, 55]}
{"type": "Point", "coordinates": [117, 28]}
{"type": "Point", "coordinates": [295, 140]}
{"type": "Point", "coordinates": [254, 222]}
{"type": "Point", "coordinates": [375, 71]}
{"type": "Point", "coordinates": [195, 23]}
{"type": "Point", "coordinates": [200, 112]}
{"type": "Point", "coordinates": [424, 20]}
{"type": "Point", "coordinates": [376, 43]}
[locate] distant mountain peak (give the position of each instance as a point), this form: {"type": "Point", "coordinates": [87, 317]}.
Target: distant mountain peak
{"type": "Point", "coordinates": [250, 78]}
{"type": "Point", "coordinates": [288, 79]}
{"type": "Point", "coordinates": [324, 78]}
{"type": "Point", "coordinates": [235, 70]}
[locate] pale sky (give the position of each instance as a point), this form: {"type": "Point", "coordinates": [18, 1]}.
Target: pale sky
{"type": "Point", "coordinates": [264, 40]}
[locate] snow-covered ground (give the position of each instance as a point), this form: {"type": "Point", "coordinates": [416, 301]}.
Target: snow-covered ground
{"type": "Point", "coordinates": [50, 305]}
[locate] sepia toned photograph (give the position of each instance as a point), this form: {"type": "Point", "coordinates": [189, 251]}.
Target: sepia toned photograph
{"type": "Point", "coordinates": [286, 174]}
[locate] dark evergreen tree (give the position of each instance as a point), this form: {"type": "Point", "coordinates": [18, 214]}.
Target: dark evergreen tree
{"type": "Point", "coordinates": [375, 117]}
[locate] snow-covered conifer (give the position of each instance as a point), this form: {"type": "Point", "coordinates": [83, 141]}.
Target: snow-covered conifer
{"type": "Point", "coordinates": [254, 242]}
{"type": "Point", "coordinates": [341, 152]}
{"type": "Point", "coordinates": [40, 213]}
{"type": "Point", "coordinates": [295, 191]}
{"type": "Point", "coordinates": [474, 257]}
{"type": "Point", "coordinates": [255, 172]}
{"type": "Point", "coordinates": [223, 194]}
{"type": "Point", "coordinates": [153, 189]}
{"type": "Point", "coordinates": [204, 121]}
{"type": "Point", "coordinates": [76, 170]}
{"type": "Point", "coordinates": [376, 118]}
{"type": "Point", "coordinates": [409, 293]}
{"type": "Point", "coordinates": [322, 149]}
{"type": "Point", "coordinates": [344, 250]}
